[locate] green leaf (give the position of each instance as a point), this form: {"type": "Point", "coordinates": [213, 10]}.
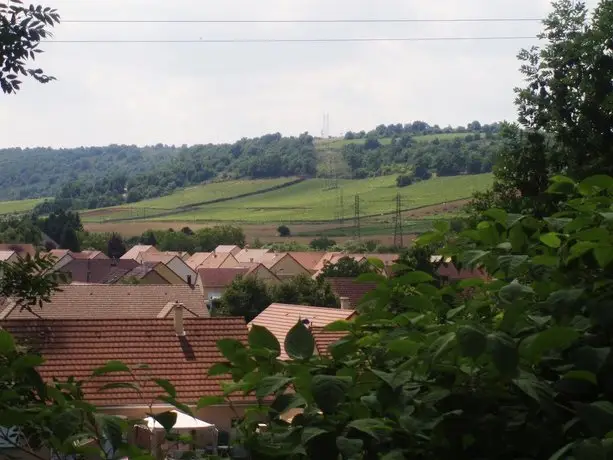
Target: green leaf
{"type": "Point", "coordinates": [339, 326]}
{"type": "Point", "coordinates": [370, 278]}
{"type": "Point", "coordinates": [394, 380]}
{"type": "Point", "coordinates": [349, 448]}
{"type": "Point", "coordinates": [564, 296]}
{"type": "Point", "coordinates": [506, 246]}
{"type": "Point", "coordinates": [7, 343]}
{"type": "Point", "coordinates": [536, 390]}
{"type": "Point", "coordinates": [396, 454]}
{"type": "Point", "coordinates": [603, 255]}
{"type": "Point", "coordinates": [551, 239]}
{"type": "Point", "coordinates": [232, 349]}
{"type": "Point", "coordinates": [470, 282]}
{"type": "Point", "coordinates": [581, 248]}
{"type": "Point", "coordinates": [270, 384]}
{"type": "Point", "coordinates": [415, 277]}
{"type": "Point", "coordinates": [429, 238]}
{"type": "Point", "coordinates": [111, 366]}
{"type": "Point", "coordinates": [287, 401]}
{"type": "Point", "coordinates": [377, 263]}
{"type": "Point", "coordinates": [472, 341]}
{"type": "Point", "coordinates": [472, 258]}
{"type": "Point", "coordinates": [582, 375]}
{"type": "Point", "coordinates": [598, 234]}
{"type": "Point", "coordinates": [120, 385]}
{"type": "Point", "coordinates": [547, 261]}
{"type": "Point", "coordinates": [370, 426]}
{"type": "Point", "coordinates": [167, 386]}
{"type": "Point", "coordinates": [177, 404]}
{"type": "Point", "coordinates": [219, 369]}
{"type": "Point", "coordinates": [260, 337]}
{"type": "Point", "coordinates": [309, 433]}
{"type": "Point", "coordinates": [514, 291]}
{"type": "Point", "coordinates": [166, 419]}
{"type": "Point", "coordinates": [595, 184]}
{"type": "Point", "coordinates": [441, 345]}
{"type": "Point", "coordinates": [504, 353]}
{"type": "Point", "coordinates": [207, 401]}
{"type": "Point", "coordinates": [404, 347]}
{"type": "Point", "coordinates": [434, 396]}
{"type": "Point", "coordinates": [499, 215]}
{"type": "Point", "coordinates": [442, 226]}
{"type": "Point", "coordinates": [329, 391]}
{"type": "Point", "coordinates": [553, 338]}
{"type": "Point", "coordinates": [299, 342]}
{"type": "Point", "coordinates": [598, 417]}
{"type": "Point", "coordinates": [590, 358]}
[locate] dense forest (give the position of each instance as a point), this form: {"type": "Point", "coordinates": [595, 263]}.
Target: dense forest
{"type": "Point", "coordinates": [94, 177]}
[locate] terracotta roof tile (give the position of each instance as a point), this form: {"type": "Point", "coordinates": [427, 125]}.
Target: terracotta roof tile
{"type": "Point", "coordinates": [219, 277]}
{"type": "Point", "coordinates": [77, 347]}
{"type": "Point", "coordinates": [96, 301]}
{"type": "Point", "coordinates": [135, 251]}
{"type": "Point", "coordinates": [323, 339]}
{"type": "Point", "coordinates": [308, 260]}
{"type": "Point", "coordinates": [226, 248]}
{"type": "Point", "coordinates": [216, 260]}
{"type": "Point", "coordinates": [6, 255]}
{"type": "Point", "coordinates": [196, 259]}
{"type": "Point", "coordinates": [348, 287]}
{"type": "Point", "coordinates": [99, 269]}
{"type": "Point", "coordinates": [280, 318]}
{"type": "Point", "coordinates": [156, 257]}
{"type": "Point", "coordinates": [251, 255]}
{"type": "Point", "coordinates": [20, 249]}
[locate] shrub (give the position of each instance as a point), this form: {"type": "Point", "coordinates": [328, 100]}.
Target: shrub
{"type": "Point", "coordinates": [322, 243]}
{"type": "Point", "coordinates": [283, 230]}
{"type": "Point", "coordinates": [403, 180]}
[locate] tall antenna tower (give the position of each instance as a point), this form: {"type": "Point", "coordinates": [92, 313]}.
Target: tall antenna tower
{"type": "Point", "coordinates": [398, 237]}
{"type": "Point", "coordinates": [325, 130]}
{"type": "Point", "coordinates": [358, 232]}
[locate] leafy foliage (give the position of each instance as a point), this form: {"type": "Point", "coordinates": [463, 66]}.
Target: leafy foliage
{"type": "Point", "coordinates": [345, 267]}
{"type": "Point", "coordinates": [519, 368]}
{"type": "Point", "coordinates": [283, 230]}
{"type": "Point", "coordinates": [21, 31]}
{"type": "Point", "coordinates": [322, 243]}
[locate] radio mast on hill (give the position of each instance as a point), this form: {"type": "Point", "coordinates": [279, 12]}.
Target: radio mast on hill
{"type": "Point", "coordinates": [325, 130]}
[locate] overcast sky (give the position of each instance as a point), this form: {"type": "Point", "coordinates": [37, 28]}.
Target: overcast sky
{"type": "Point", "coordinates": [200, 93]}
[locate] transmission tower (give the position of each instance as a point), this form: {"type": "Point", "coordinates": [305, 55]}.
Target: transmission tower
{"type": "Point", "coordinates": [358, 232]}
{"type": "Point", "coordinates": [342, 208]}
{"type": "Point", "coordinates": [398, 237]}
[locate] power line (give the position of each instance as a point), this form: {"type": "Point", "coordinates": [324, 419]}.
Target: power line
{"type": "Point", "coordinates": [301, 40]}
{"type": "Point", "coordinates": [293, 21]}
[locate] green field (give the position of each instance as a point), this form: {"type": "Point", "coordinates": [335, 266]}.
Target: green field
{"type": "Point", "coordinates": [184, 197]}
{"type": "Point", "coordinates": [313, 200]}
{"type": "Point", "coordinates": [11, 207]}
{"type": "Point", "coordinates": [337, 144]}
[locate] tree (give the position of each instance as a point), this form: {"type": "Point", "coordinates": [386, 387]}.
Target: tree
{"type": "Point", "coordinates": [69, 240]}
{"type": "Point", "coordinates": [283, 230]}
{"type": "Point", "coordinates": [148, 238]}
{"type": "Point", "coordinates": [403, 180]}
{"type": "Point", "coordinates": [116, 247]}
{"type": "Point", "coordinates": [421, 172]}
{"type": "Point", "coordinates": [303, 290]}
{"type": "Point", "coordinates": [187, 231]}
{"type": "Point", "coordinates": [346, 267]}
{"type": "Point", "coordinates": [57, 223]}
{"type": "Point", "coordinates": [322, 243]}
{"type": "Point", "coordinates": [246, 296]}
{"type": "Point", "coordinates": [21, 31]}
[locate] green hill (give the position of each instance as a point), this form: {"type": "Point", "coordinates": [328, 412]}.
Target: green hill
{"type": "Point", "coordinates": [11, 207]}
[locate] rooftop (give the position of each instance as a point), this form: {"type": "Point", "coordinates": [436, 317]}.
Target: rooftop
{"type": "Point", "coordinates": [348, 287]}
{"type": "Point", "coordinates": [280, 318]}
{"type": "Point", "coordinates": [77, 347]}
{"type": "Point", "coordinates": [99, 301]}
{"type": "Point", "coordinates": [97, 270]}
{"type": "Point", "coordinates": [135, 251]}
{"type": "Point", "coordinates": [219, 277]}
{"type": "Point", "coordinates": [6, 255]}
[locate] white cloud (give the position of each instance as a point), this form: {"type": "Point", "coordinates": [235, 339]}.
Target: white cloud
{"type": "Point", "coordinates": [198, 93]}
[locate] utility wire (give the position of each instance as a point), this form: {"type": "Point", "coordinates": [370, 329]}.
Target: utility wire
{"type": "Point", "coordinates": [292, 21]}
{"type": "Point", "coordinates": [301, 40]}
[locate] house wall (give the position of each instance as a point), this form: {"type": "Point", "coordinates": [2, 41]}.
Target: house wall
{"type": "Point", "coordinates": [181, 269]}
{"type": "Point", "coordinates": [11, 260]}
{"type": "Point", "coordinates": [154, 278]}
{"type": "Point", "coordinates": [230, 262]}
{"type": "Point", "coordinates": [65, 260]}
{"type": "Point", "coordinates": [212, 291]}
{"type": "Point", "coordinates": [287, 267]}
{"type": "Point", "coordinates": [170, 276]}
{"type": "Point", "coordinates": [265, 275]}
{"type": "Point", "coordinates": [100, 255]}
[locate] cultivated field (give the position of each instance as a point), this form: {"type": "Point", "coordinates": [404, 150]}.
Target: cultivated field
{"type": "Point", "coordinates": [185, 197]}
{"type": "Point", "coordinates": [314, 201]}
{"type": "Point", "coordinates": [11, 207]}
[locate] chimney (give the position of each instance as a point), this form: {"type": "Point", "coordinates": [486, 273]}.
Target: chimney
{"type": "Point", "coordinates": [178, 319]}
{"type": "Point", "coordinates": [345, 303]}
{"type": "Point", "coordinates": [251, 260]}
{"type": "Point", "coordinates": [189, 280]}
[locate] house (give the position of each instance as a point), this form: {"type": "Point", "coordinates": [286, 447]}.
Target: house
{"type": "Point", "coordinates": [175, 263]}
{"type": "Point", "coordinates": [227, 249]}
{"type": "Point", "coordinates": [308, 260]}
{"type": "Point", "coordinates": [21, 249]}
{"type": "Point", "coordinates": [8, 257]}
{"type": "Point", "coordinates": [324, 339]}
{"type": "Point", "coordinates": [224, 260]}
{"type": "Point", "coordinates": [333, 258]}
{"type": "Point", "coordinates": [214, 281]}
{"type": "Point", "coordinates": [95, 271]}
{"type": "Point", "coordinates": [280, 318]}
{"type": "Point", "coordinates": [135, 251]}
{"type": "Point", "coordinates": [182, 254]}
{"type": "Point", "coordinates": [197, 259]}
{"type": "Point", "coordinates": [97, 301]}
{"type": "Point", "coordinates": [251, 255]}
{"type": "Point", "coordinates": [349, 291]}
{"type": "Point", "coordinates": [152, 273]}
{"type": "Point", "coordinates": [93, 255]}
{"type": "Point", "coordinates": [180, 350]}
{"type": "Point", "coordinates": [283, 265]}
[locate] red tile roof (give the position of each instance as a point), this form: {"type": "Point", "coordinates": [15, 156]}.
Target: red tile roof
{"type": "Point", "coordinates": [98, 269]}
{"type": "Point", "coordinates": [196, 259]}
{"type": "Point", "coordinates": [98, 301]}
{"type": "Point", "coordinates": [216, 260]}
{"type": "Point", "coordinates": [219, 277]}
{"type": "Point", "coordinates": [348, 287]}
{"type": "Point", "coordinates": [323, 339]}
{"type": "Point", "coordinates": [308, 260]}
{"type": "Point", "coordinates": [449, 271]}
{"type": "Point", "coordinates": [280, 318]}
{"type": "Point", "coordinates": [20, 249]}
{"type": "Point", "coordinates": [77, 347]}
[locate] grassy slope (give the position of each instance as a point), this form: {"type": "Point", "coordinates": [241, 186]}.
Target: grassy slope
{"type": "Point", "coordinates": [186, 197]}
{"type": "Point", "coordinates": [9, 207]}
{"type": "Point", "coordinates": [337, 143]}
{"type": "Point", "coordinates": [311, 201]}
